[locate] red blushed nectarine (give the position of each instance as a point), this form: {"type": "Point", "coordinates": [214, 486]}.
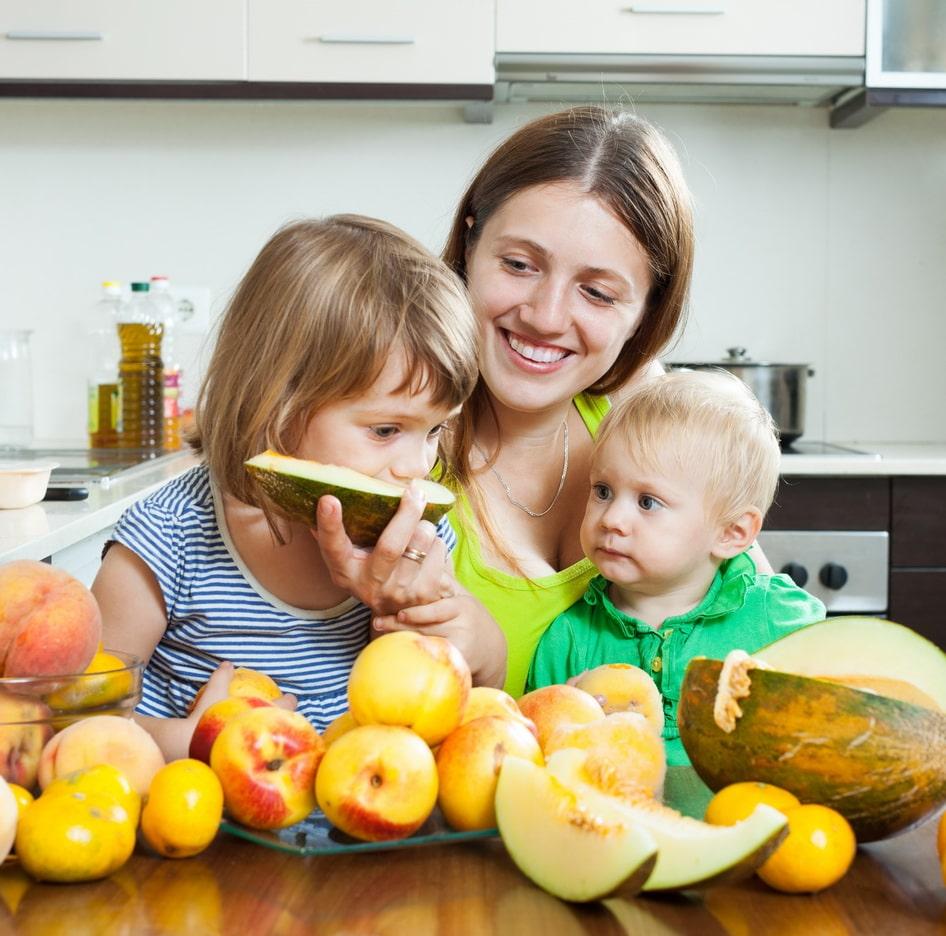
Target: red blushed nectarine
{"type": "Point", "coordinates": [49, 621]}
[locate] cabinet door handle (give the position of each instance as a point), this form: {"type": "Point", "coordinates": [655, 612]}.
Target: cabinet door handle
{"type": "Point", "coordinates": [685, 8]}
{"type": "Point", "coordinates": [44, 35]}
{"type": "Point", "coordinates": [364, 39]}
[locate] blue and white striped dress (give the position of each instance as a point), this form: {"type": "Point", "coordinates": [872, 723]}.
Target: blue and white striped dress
{"type": "Point", "coordinates": [216, 610]}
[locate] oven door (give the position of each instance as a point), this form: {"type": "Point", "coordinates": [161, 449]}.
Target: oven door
{"type": "Point", "coordinates": [847, 570]}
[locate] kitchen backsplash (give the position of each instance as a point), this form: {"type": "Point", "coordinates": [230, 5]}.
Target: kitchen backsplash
{"type": "Point", "coordinates": [813, 245]}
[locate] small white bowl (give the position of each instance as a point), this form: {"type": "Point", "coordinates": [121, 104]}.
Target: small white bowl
{"type": "Point", "coordinates": [23, 484]}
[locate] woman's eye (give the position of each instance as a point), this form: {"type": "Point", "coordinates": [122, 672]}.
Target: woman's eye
{"type": "Point", "coordinates": [648, 502]}
{"type": "Point", "coordinates": [384, 432]}
{"type": "Point", "coordinates": [437, 431]}
{"type": "Point", "coordinates": [601, 492]}
{"type": "Point", "coordinates": [516, 266]}
{"type": "Point", "coordinates": [597, 296]}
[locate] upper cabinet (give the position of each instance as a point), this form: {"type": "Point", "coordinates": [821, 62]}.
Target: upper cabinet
{"type": "Point", "coordinates": [682, 27]}
{"type": "Point", "coordinates": [119, 40]}
{"type": "Point", "coordinates": [450, 42]}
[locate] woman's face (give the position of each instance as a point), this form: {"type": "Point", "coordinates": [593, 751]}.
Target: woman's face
{"type": "Point", "coordinates": [559, 284]}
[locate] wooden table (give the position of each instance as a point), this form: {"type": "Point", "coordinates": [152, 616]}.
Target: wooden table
{"type": "Point", "coordinates": [464, 889]}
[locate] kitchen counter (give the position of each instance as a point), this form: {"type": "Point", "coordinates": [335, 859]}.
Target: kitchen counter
{"type": "Point", "coordinates": [49, 527]}
{"type": "Point", "coordinates": [239, 887]}
{"type": "Point", "coordinates": [882, 458]}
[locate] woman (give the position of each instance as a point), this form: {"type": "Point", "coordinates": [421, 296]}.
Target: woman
{"type": "Point", "coordinates": [575, 240]}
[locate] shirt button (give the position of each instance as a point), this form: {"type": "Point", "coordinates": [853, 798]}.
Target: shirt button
{"type": "Point", "coordinates": [667, 633]}
{"type": "Point", "coordinates": [657, 665]}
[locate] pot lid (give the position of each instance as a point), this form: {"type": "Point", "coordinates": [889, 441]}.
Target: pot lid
{"type": "Point", "coordinates": [736, 356]}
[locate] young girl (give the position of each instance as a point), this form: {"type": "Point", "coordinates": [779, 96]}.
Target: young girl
{"type": "Point", "coordinates": [346, 342]}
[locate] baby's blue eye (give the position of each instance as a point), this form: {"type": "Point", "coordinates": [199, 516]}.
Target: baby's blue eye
{"type": "Point", "coordinates": [647, 502]}
{"type": "Point", "coordinates": [601, 492]}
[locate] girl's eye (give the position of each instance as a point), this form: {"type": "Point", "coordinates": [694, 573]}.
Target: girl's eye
{"type": "Point", "coordinates": [437, 431]}
{"type": "Point", "coordinates": [597, 296]}
{"type": "Point", "coordinates": [601, 492]}
{"type": "Point", "coordinates": [385, 432]}
{"type": "Point", "coordinates": [516, 266]}
{"type": "Point", "coordinates": [648, 502]}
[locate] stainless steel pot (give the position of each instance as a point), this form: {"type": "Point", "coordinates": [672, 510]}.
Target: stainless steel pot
{"type": "Point", "coordinates": [780, 388]}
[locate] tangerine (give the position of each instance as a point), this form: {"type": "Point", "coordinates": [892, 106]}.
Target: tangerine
{"type": "Point", "coordinates": [737, 801]}
{"type": "Point", "coordinates": [817, 853]}
{"type": "Point", "coordinates": [22, 796]}
{"type": "Point", "coordinates": [102, 778]}
{"type": "Point", "coordinates": [182, 813]}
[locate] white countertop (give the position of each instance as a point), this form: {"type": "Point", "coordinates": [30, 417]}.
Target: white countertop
{"type": "Point", "coordinates": [883, 458]}
{"type": "Point", "coordinates": [48, 527]}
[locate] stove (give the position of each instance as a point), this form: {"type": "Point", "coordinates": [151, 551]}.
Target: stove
{"type": "Point", "coordinates": [805, 447]}
{"type": "Point", "coordinates": [89, 466]}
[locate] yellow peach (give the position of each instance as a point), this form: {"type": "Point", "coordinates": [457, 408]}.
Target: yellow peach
{"type": "Point", "coordinates": [553, 706]}
{"type": "Point", "coordinates": [625, 688]}
{"type": "Point", "coordinates": [484, 700]}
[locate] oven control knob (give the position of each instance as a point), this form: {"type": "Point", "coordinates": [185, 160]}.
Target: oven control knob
{"type": "Point", "coordinates": [833, 575]}
{"type": "Point", "coordinates": [796, 572]}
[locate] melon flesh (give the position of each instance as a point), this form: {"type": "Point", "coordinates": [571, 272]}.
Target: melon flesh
{"type": "Point", "coordinates": [690, 853]}
{"type": "Point", "coordinates": [368, 504]}
{"type": "Point", "coordinates": [867, 653]}
{"type": "Point", "coordinates": [568, 848]}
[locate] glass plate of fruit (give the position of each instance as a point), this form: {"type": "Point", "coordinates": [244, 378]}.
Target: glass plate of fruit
{"type": "Point", "coordinates": [315, 835]}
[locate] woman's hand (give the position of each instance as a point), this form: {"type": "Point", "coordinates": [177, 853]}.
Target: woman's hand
{"type": "Point", "coordinates": [464, 621]}
{"type": "Point", "coordinates": [407, 567]}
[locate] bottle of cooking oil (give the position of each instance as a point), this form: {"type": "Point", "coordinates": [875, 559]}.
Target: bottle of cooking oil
{"type": "Point", "coordinates": [104, 406]}
{"type": "Point", "coordinates": [140, 373]}
{"type": "Point", "coordinates": [163, 301]}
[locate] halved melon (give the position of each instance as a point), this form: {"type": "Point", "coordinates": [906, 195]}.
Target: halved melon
{"type": "Point", "coordinates": [295, 486]}
{"type": "Point", "coordinates": [864, 653]}
{"type": "Point", "coordinates": [690, 853]}
{"type": "Point", "coordinates": [878, 761]}
{"type": "Point", "coordinates": [573, 850]}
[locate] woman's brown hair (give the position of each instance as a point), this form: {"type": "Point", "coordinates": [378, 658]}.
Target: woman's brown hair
{"type": "Point", "coordinates": [315, 319]}
{"type": "Point", "coordinates": [628, 164]}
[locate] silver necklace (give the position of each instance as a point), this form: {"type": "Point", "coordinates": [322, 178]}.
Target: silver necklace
{"type": "Point", "coordinates": [519, 504]}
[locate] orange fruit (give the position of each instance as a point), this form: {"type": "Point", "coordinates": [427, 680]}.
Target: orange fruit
{"type": "Point", "coordinates": [102, 778]}
{"type": "Point", "coordinates": [817, 853]}
{"type": "Point", "coordinates": [737, 801]}
{"type": "Point", "coordinates": [22, 796]}
{"type": "Point", "coordinates": [940, 836]}
{"type": "Point", "coordinates": [116, 682]}
{"type": "Point", "coordinates": [76, 836]}
{"type": "Point", "coordinates": [182, 813]}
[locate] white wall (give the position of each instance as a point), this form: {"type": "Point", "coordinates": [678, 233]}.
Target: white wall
{"type": "Point", "coordinates": [814, 245]}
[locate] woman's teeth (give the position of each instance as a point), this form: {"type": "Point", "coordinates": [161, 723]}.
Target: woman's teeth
{"type": "Point", "coordinates": [539, 355]}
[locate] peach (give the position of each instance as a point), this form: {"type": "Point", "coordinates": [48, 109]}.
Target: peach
{"type": "Point", "coordinates": [553, 706]}
{"type": "Point", "coordinates": [625, 688]}
{"type": "Point", "coordinates": [338, 727]}
{"type": "Point", "coordinates": [245, 682]}
{"type": "Point", "coordinates": [24, 731]}
{"type": "Point", "coordinates": [484, 700]}
{"type": "Point", "coordinates": [213, 719]}
{"type": "Point", "coordinates": [377, 782]}
{"type": "Point", "coordinates": [49, 621]}
{"type": "Point", "coordinates": [266, 760]}
{"type": "Point", "coordinates": [468, 764]}
{"type": "Point", "coordinates": [102, 739]}
{"type": "Point", "coordinates": [624, 754]}
{"type": "Point", "coordinates": [9, 814]}
{"type": "Point", "coordinates": [412, 681]}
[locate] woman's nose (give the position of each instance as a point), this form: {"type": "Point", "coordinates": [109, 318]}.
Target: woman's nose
{"type": "Point", "coordinates": [547, 309]}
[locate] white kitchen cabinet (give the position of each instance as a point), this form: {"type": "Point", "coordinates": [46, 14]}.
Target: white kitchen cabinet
{"type": "Point", "coordinates": [84, 558]}
{"type": "Point", "coordinates": [121, 40]}
{"type": "Point", "coordinates": [682, 27]}
{"type": "Point", "coordinates": [450, 42]}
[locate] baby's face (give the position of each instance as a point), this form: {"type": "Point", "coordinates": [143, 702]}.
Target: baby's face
{"type": "Point", "coordinates": [646, 528]}
{"type": "Point", "coordinates": [388, 432]}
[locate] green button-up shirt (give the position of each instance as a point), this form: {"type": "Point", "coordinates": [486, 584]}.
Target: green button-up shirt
{"type": "Point", "coordinates": [742, 610]}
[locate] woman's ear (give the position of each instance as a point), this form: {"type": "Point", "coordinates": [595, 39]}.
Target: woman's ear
{"type": "Point", "coordinates": [738, 535]}
{"type": "Point", "coordinates": [470, 221]}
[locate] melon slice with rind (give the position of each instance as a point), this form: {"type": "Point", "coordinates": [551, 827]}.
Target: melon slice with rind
{"type": "Point", "coordinates": [295, 485]}
{"type": "Point", "coordinates": [690, 853]}
{"type": "Point", "coordinates": [844, 648]}
{"type": "Point", "coordinates": [571, 849]}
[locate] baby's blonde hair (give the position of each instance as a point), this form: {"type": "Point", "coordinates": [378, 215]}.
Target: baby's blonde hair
{"type": "Point", "coordinates": [708, 423]}
{"type": "Point", "coordinates": [318, 314]}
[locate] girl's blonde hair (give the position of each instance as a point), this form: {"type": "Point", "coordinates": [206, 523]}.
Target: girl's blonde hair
{"type": "Point", "coordinates": [708, 424]}
{"type": "Point", "coordinates": [315, 319]}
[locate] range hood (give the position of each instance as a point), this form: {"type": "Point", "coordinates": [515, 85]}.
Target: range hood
{"type": "Point", "coordinates": [720, 79]}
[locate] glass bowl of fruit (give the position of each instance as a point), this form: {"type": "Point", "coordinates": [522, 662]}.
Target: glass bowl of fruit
{"type": "Point", "coordinates": [34, 708]}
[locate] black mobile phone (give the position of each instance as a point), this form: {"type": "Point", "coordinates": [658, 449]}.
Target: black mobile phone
{"type": "Point", "coordinates": [66, 493]}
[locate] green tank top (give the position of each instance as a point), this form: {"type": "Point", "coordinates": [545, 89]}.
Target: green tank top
{"type": "Point", "coordinates": [522, 608]}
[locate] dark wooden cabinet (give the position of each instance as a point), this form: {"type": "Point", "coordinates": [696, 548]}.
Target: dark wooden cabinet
{"type": "Point", "coordinates": [911, 509]}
